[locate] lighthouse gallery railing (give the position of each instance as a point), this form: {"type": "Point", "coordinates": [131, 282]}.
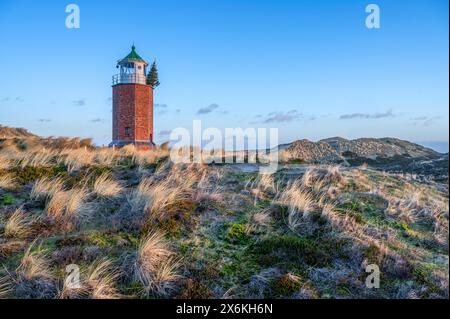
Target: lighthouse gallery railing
{"type": "Point", "coordinates": [128, 78]}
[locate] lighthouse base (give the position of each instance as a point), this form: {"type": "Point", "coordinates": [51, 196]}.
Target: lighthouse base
{"type": "Point", "coordinates": [140, 145]}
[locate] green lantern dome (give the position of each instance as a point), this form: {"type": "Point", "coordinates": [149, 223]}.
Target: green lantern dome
{"type": "Point", "coordinates": [133, 57]}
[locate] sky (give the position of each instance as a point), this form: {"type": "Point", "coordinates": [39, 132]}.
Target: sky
{"type": "Point", "coordinates": [310, 68]}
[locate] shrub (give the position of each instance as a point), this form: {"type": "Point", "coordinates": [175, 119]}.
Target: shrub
{"type": "Point", "coordinates": [195, 289]}
{"type": "Point", "coordinates": [286, 285]}
{"type": "Point", "coordinates": [29, 174]}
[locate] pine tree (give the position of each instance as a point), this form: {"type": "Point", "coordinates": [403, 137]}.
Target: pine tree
{"type": "Point", "coordinates": [152, 77]}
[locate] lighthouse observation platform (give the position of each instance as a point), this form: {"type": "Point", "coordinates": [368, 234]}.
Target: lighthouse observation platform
{"type": "Point", "coordinates": [133, 78]}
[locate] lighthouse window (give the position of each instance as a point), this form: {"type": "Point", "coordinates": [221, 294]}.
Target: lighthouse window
{"type": "Point", "coordinates": [127, 131]}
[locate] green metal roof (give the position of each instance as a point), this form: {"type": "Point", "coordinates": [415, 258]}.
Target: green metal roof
{"type": "Point", "coordinates": [132, 56]}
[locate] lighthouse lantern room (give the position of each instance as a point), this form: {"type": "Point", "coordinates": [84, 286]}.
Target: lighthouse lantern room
{"type": "Point", "coordinates": [133, 69]}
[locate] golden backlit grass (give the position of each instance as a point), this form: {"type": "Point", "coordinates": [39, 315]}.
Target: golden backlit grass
{"type": "Point", "coordinates": [18, 225]}
{"type": "Point", "coordinates": [35, 263]}
{"type": "Point", "coordinates": [7, 182]}
{"type": "Point", "coordinates": [106, 186]}
{"type": "Point", "coordinates": [155, 266]}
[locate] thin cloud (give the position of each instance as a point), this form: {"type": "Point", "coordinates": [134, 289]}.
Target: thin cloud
{"type": "Point", "coordinates": [208, 109]}
{"type": "Point", "coordinates": [373, 116]}
{"type": "Point", "coordinates": [162, 107]}
{"type": "Point", "coordinates": [425, 120]}
{"type": "Point", "coordinates": [283, 117]}
{"type": "Point", "coordinates": [80, 102]}
{"type": "Point", "coordinates": [164, 133]}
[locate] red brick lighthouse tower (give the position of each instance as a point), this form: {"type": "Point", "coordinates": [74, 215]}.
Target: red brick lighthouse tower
{"type": "Point", "coordinates": [132, 104]}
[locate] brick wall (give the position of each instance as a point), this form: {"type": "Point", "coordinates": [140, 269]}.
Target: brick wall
{"type": "Point", "coordinates": [132, 113]}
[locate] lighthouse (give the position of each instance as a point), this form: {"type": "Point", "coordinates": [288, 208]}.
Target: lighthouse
{"type": "Point", "coordinates": [132, 117]}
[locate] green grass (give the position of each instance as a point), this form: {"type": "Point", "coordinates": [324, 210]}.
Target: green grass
{"type": "Point", "coordinates": [236, 233]}
{"type": "Point", "coordinates": [7, 199]}
{"type": "Point", "coordinates": [295, 252]}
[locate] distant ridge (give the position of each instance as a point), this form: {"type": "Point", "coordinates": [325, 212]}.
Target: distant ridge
{"type": "Point", "coordinates": [339, 149]}
{"type": "Point", "coordinates": [12, 132]}
{"type": "Point", "coordinates": [389, 154]}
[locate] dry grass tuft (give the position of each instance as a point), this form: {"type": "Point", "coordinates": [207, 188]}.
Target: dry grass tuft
{"type": "Point", "coordinates": [18, 225]}
{"type": "Point", "coordinates": [75, 159]}
{"type": "Point", "coordinates": [334, 175]}
{"type": "Point", "coordinates": [4, 163]}
{"type": "Point", "coordinates": [45, 188]}
{"type": "Point", "coordinates": [7, 181]}
{"type": "Point", "coordinates": [155, 266]}
{"type": "Point", "coordinates": [166, 275]}
{"type": "Point", "coordinates": [98, 281]}
{"type": "Point", "coordinates": [105, 157]}
{"type": "Point", "coordinates": [6, 286]}
{"type": "Point", "coordinates": [11, 247]}
{"type": "Point", "coordinates": [153, 249]}
{"type": "Point", "coordinates": [299, 202]}
{"type": "Point", "coordinates": [309, 177]}
{"type": "Point", "coordinates": [67, 208]}
{"type": "Point", "coordinates": [262, 187]}
{"type": "Point", "coordinates": [141, 195]}
{"type": "Point", "coordinates": [262, 218]}
{"type": "Point", "coordinates": [34, 278]}
{"type": "Point", "coordinates": [35, 263]}
{"type": "Point", "coordinates": [37, 158]}
{"type": "Point", "coordinates": [71, 291]}
{"type": "Point", "coordinates": [105, 186]}
{"type": "Point", "coordinates": [266, 182]}
{"type": "Point", "coordinates": [158, 197]}
{"type": "Point", "coordinates": [101, 280]}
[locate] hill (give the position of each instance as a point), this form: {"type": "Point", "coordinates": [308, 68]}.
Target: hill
{"type": "Point", "coordinates": [11, 132]}
{"type": "Point", "coordinates": [389, 154]}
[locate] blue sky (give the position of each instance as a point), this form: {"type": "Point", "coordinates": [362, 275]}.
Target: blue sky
{"type": "Point", "coordinates": [310, 68]}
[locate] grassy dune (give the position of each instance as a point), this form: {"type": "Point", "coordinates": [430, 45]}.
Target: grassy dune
{"type": "Point", "coordinates": [138, 226]}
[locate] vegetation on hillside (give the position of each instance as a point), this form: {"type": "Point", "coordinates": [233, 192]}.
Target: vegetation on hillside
{"type": "Point", "coordinates": [139, 226]}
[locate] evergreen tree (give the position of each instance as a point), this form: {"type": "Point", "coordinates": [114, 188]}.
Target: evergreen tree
{"type": "Point", "coordinates": [152, 77]}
